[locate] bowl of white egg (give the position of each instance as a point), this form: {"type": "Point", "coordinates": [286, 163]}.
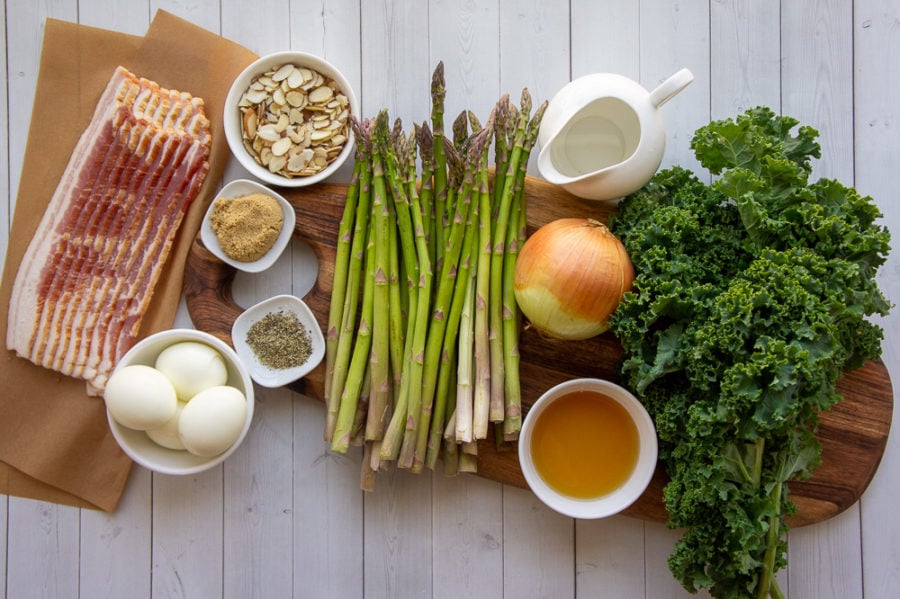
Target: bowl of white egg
{"type": "Point", "coordinates": [179, 402]}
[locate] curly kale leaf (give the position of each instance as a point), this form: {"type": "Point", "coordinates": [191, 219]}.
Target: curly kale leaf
{"type": "Point", "coordinates": [752, 296]}
{"type": "Point", "coordinates": [753, 138]}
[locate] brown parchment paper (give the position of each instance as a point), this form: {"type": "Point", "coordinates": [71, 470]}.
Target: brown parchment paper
{"type": "Point", "coordinates": [55, 443]}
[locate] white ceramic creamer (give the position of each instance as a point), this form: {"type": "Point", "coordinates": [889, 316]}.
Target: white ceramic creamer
{"type": "Point", "coordinates": [603, 137]}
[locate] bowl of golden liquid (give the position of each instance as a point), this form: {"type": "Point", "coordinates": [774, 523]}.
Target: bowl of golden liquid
{"type": "Point", "coordinates": [588, 448]}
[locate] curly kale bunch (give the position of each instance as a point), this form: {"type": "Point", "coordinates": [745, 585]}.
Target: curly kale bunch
{"type": "Point", "coordinates": [751, 298]}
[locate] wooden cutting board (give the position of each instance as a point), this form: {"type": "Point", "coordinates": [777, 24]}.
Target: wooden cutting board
{"type": "Point", "coordinates": [853, 434]}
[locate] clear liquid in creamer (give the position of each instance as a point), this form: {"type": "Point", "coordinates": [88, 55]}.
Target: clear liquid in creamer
{"type": "Point", "coordinates": [604, 133]}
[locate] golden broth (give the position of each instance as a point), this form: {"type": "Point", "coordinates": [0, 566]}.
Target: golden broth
{"type": "Point", "coordinates": [584, 444]}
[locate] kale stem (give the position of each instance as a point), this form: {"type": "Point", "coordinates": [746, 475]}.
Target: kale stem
{"type": "Point", "coordinates": [775, 592]}
{"type": "Point", "coordinates": [758, 461]}
{"type": "Point", "coordinates": [767, 576]}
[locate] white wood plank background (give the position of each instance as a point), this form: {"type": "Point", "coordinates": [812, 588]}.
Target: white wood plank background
{"type": "Point", "coordinates": [284, 517]}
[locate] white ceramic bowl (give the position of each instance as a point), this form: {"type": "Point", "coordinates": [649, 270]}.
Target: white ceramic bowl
{"type": "Point", "coordinates": [241, 187]}
{"type": "Point", "coordinates": [262, 374]}
{"type": "Point", "coordinates": [621, 497]}
{"type": "Point", "coordinates": [233, 119]}
{"type": "Point", "coordinates": [138, 446]}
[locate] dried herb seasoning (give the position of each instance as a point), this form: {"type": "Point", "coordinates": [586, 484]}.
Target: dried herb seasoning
{"type": "Point", "coordinates": [280, 340]}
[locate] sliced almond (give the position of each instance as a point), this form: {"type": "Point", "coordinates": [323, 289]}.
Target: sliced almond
{"type": "Point", "coordinates": [255, 96]}
{"type": "Point", "coordinates": [320, 95]}
{"type": "Point", "coordinates": [283, 121]}
{"type": "Point", "coordinates": [295, 79]}
{"type": "Point", "coordinates": [295, 98]}
{"type": "Point", "coordinates": [281, 147]}
{"type": "Point", "coordinates": [321, 135]}
{"type": "Point", "coordinates": [298, 162]}
{"type": "Point", "coordinates": [268, 133]}
{"type": "Point", "coordinates": [283, 73]}
{"type": "Point", "coordinates": [295, 137]}
{"type": "Point", "coordinates": [277, 163]}
{"type": "Point", "coordinates": [249, 124]}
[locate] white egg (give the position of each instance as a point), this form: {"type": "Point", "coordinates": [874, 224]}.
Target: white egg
{"type": "Point", "coordinates": [167, 434]}
{"type": "Point", "coordinates": [192, 366]}
{"type": "Point", "coordinates": [212, 421]}
{"type": "Point", "coordinates": [140, 397]}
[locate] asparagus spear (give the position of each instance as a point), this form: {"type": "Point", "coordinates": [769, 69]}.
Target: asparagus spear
{"type": "Point", "coordinates": [404, 414]}
{"type": "Point", "coordinates": [512, 421]}
{"type": "Point", "coordinates": [449, 353]}
{"type": "Point", "coordinates": [359, 363]}
{"type": "Point", "coordinates": [483, 375]}
{"type": "Point", "coordinates": [438, 93]}
{"type": "Point", "coordinates": [380, 353]}
{"type": "Point", "coordinates": [348, 325]}
{"type": "Point", "coordinates": [341, 274]}
{"type": "Point", "coordinates": [499, 240]}
{"type": "Point", "coordinates": [421, 404]}
{"type": "Point", "coordinates": [466, 359]}
{"type": "Point", "coordinates": [501, 145]}
{"type": "Point", "coordinates": [358, 431]}
{"type": "Point", "coordinates": [425, 144]}
{"type": "Point", "coordinates": [398, 306]}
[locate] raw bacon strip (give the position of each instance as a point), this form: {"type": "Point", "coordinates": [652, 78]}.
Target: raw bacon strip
{"type": "Point", "coordinates": [80, 245]}
{"type": "Point", "coordinates": [185, 119]}
{"type": "Point", "coordinates": [136, 264]}
{"type": "Point", "coordinates": [102, 243]}
{"type": "Point", "coordinates": [65, 254]}
{"type": "Point", "coordinates": [141, 278]}
{"type": "Point", "coordinates": [89, 273]}
{"type": "Point", "coordinates": [138, 276]}
{"type": "Point", "coordinates": [85, 317]}
{"type": "Point", "coordinates": [95, 331]}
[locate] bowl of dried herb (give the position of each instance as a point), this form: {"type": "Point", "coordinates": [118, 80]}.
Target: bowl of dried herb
{"type": "Point", "coordinates": [279, 340]}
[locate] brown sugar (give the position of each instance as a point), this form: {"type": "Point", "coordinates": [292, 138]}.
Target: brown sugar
{"type": "Point", "coordinates": [247, 226]}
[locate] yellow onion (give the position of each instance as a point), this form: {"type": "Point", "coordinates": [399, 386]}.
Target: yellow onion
{"type": "Point", "coordinates": [570, 276]}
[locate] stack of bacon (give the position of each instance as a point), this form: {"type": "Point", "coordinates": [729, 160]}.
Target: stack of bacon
{"type": "Point", "coordinates": [88, 275]}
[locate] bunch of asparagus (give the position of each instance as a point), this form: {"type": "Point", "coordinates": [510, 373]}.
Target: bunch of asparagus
{"type": "Point", "coordinates": [423, 331]}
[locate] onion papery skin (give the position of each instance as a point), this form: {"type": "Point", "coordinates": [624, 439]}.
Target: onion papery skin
{"type": "Point", "coordinates": [570, 276]}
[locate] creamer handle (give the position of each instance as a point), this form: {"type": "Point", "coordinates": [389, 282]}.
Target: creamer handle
{"type": "Point", "coordinates": [671, 86]}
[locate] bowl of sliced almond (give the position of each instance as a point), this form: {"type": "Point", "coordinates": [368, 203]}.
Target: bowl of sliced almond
{"type": "Point", "coordinates": [287, 118]}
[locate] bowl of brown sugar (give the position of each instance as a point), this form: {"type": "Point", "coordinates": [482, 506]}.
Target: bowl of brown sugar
{"type": "Point", "coordinates": [248, 225]}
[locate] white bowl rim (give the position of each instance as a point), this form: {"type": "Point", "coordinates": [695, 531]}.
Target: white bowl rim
{"type": "Point", "coordinates": [232, 122]}
{"type": "Point", "coordinates": [122, 434]}
{"type": "Point", "coordinates": [615, 501]}
{"type": "Point", "coordinates": [263, 375]}
{"type": "Point", "coordinates": [240, 187]}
